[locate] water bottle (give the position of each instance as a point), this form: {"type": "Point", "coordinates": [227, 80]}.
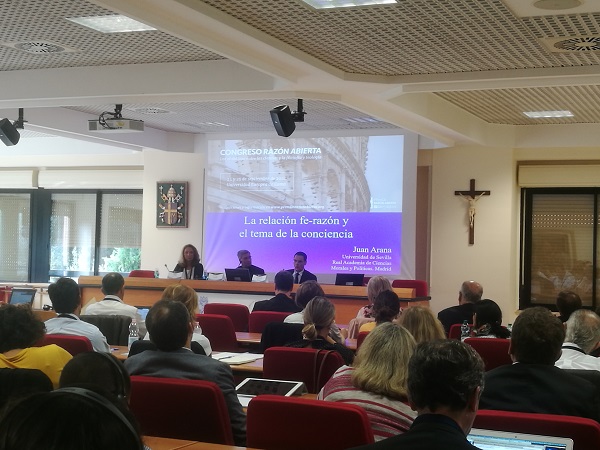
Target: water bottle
{"type": "Point", "coordinates": [464, 330]}
{"type": "Point", "coordinates": [134, 332]}
{"type": "Point", "coordinates": [156, 273]}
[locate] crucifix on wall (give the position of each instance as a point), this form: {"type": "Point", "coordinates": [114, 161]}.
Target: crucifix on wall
{"type": "Point", "coordinates": [472, 196]}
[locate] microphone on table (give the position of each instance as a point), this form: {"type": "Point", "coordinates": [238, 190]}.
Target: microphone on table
{"type": "Point", "coordinates": [167, 267]}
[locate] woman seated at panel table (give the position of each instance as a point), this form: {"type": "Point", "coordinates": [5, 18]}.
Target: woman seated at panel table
{"type": "Point", "coordinates": [187, 296]}
{"type": "Point", "coordinates": [422, 324]}
{"type": "Point", "coordinates": [19, 332]}
{"type": "Point", "coordinates": [365, 314]}
{"type": "Point", "coordinates": [386, 308]}
{"type": "Point", "coordinates": [189, 263]}
{"type": "Point", "coordinates": [378, 380]}
{"type": "Point", "coordinates": [487, 320]}
{"type": "Point", "coordinates": [319, 316]}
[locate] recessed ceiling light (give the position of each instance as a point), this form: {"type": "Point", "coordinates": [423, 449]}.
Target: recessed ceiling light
{"type": "Point", "coordinates": [557, 4]}
{"type": "Point", "coordinates": [327, 4]}
{"type": "Point", "coordinates": [111, 24]}
{"type": "Point", "coordinates": [548, 114]}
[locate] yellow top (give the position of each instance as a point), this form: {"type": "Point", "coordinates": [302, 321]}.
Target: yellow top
{"type": "Point", "coordinates": [50, 359]}
{"type": "Point", "coordinates": [369, 326]}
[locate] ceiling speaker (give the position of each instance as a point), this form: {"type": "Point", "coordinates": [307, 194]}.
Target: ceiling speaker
{"type": "Point", "coordinates": [8, 133]}
{"type": "Point", "coordinates": [283, 120]}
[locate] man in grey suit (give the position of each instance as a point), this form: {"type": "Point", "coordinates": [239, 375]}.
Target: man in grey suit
{"type": "Point", "coordinates": [170, 328]}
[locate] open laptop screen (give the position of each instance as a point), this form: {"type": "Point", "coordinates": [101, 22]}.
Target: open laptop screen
{"type": "Point", "coordinates": [22, 296]}
{"type": "Point", "coordinates": [504, 440]}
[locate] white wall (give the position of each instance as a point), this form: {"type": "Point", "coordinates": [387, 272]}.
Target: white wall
{"type": "Point", "coordinates": [493, 259]}
{"type": "Point", "coordinates": [163, 245]}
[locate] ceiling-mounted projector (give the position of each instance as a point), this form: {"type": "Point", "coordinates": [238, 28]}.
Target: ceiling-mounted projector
{"type": "Point", "coordinates": [115, 123]}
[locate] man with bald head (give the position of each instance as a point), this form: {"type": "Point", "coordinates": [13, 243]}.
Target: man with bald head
{"type": "Point", "coordinates": [470, 293]}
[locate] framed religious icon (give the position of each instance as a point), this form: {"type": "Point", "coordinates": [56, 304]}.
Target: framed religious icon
{"type": "Point", "coordinates": [172, 204]}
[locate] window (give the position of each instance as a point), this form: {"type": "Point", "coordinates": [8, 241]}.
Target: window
{"type": "Point", "coordinates": [74, 233]}
{"type": "Point", "coordinates": [14, 239]}
{"type": "Point", "coordinates": [559, 242]}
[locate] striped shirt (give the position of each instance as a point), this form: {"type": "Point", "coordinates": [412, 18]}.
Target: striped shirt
{"type": "Point", "coordinates": [388, 417]}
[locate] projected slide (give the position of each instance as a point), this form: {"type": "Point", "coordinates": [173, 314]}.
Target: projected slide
{"type": "Point", "coordinates": [338, 199]}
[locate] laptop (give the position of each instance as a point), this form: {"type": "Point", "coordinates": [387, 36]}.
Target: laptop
{"type": "Point", "coordinates": [349, 279]}
{"type": "Point", "coordinates": [251, 387]}
{"type": "Point", "coordinates": [22, 296]}
{"type": "Point", "coordinates": [143, 312]}
{"type": "Point", "coordinates": [238, 275]}
{"type": "Point", "coordinates": [505, 440]}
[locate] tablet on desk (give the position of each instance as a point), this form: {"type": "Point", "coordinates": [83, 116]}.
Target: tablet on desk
{"type": "Point", "coordinates": [251, 387]}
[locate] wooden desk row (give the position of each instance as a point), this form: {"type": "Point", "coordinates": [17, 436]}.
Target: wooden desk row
{"type": "Point", "coordinates": [146, 291]}
{"type": "Point", "coordinates": [162, 443]}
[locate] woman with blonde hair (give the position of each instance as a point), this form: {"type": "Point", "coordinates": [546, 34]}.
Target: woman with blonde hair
{"type": "Point", "coordinates": [422, 324]}
{"type": "Point", "coordinates": [378, 380]}
{"type": "Point", "coordinates": [186, 295]}
{"type": "Point", "coordinates": [375, 286]}
{"type": "Point", "coordinates": [319, 316]}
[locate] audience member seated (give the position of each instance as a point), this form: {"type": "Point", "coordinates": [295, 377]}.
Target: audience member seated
{"type": "Point", "coordinates": [377, 382]}
{"type": "Point", "coordinates": [19, 331]}
{"type": "Point", "coordinates": [113, 288]}
{"type": "Point", "coordinates": [18, 383]}
{"type": "Point", "coordinates": [189, 264]}
{"type": "Point", "coordinates": [245, 259]}
{"type": "Point", "coordinates": [375, 285]}
{"type": "Point", "coordinates": [304, 294]}
{"type": "Point", "coordinates": [187, 296]}
{"type": "Point", "coordinates": [386, 308]}
{"type": "Point", "coordinates": [470, 293]}
{"type": "Point", "coordinates": [582, 337]}
{"type": "Point", "coordinates": [445, 380]}
{"type": "Point", "coordinates": [567, 302]}
{"type": "Point", "coordinates": [97, 371]}
{"type": "Point", "coordinates": [487, 320]}
{"type": "Point", "coordinates": [319, 316]}
{"type": "Point", "coordinates": [533, 384]}
{"type": "Point", "coordinates": [282, 302]}
{"type": "Point", "coordinates": [66, 301]}
{"type": "Point", "coordinates": [422, 324]}
{"type": "Point", "coordinates": [171, 331]}
{"type": "Point", "coordinates": [69, 419]}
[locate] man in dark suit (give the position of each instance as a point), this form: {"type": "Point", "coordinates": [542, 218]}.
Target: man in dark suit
{"type": "Point", "coordinates": [171, 331]}
{"type": "Point", "coordinates": [445, 379]}
{"type": "Point", "coordinates": [299, 273]}
{"type": "Point", "coordinates": [533, 384]}
{"type": "Point", "coordinates": [245, 259]}
{"type": "Point", "coordinates": [282, 302]}
{"type": "Point", "coordinates": [470, 293]}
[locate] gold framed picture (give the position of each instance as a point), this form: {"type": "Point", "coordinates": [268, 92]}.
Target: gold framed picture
{"type": "Point", "coordinates": [172, 204]}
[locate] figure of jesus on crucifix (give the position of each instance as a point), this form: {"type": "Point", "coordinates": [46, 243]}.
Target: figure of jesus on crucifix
{"type": "Point", "coordinates": [472, 196]}
{"type": "Point", "coordinates": [472, 201]}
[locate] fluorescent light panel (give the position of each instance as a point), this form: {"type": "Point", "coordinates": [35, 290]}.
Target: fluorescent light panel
{"type": "Point", "coordinates": [111, 24]}
{"type": "Point", "coordinates": [548, 114]}
{"type": "Point", "coordinates": [327, 4]}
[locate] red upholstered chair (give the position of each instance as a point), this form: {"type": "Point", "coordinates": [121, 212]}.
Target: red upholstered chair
{"type": "Point", "coordinates": [142, 274]}
{"type": "Point", "coordinates": [494, 352]}
{"type": "Point", "coordinates": [180, 409]}
{"type": "Point", "coordinates": [419, 286]}
{"type": "Point", "coordinates": [275, 422]}
{"type": "Point", "coordinates": [72, 344]}
{"type": "Point", "coordinates": [313, 367]}
{"type": "Point", "coordinates": [584, 432]}
{"type": "Point", "coordinates": [360, 338]}
{"type": "Point", "coordinates": [238, 313]}
{"type": "Point", "coordinates": [366, 280]}
{"type": "Point", "coordinates": [258, 319]}
{"type": "Point", "coordinates": [219, 331]}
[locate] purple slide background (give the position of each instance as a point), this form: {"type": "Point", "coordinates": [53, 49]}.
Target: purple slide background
{"type": "Point", "coordinates": [377, 237]}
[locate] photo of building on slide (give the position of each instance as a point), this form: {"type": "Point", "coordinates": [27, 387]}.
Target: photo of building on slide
{"type": "Point", "coordinates": [323, 195]}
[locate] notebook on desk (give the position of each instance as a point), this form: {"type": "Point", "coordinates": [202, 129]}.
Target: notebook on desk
{"type": "Point", "coordinates": [505, 440]}
{"type": "Point", "coordinates": [22, 296]}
